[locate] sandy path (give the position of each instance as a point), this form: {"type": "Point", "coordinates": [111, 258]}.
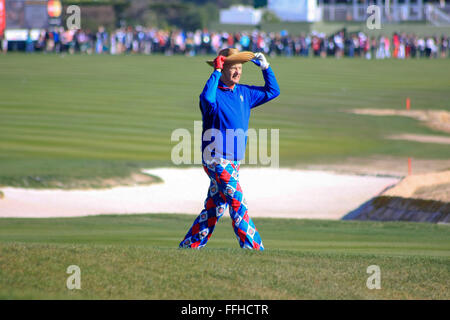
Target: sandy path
{"type": "Point", "coordinates": [381, 165]}
{"type": "Point", "coordinates": [269, 192]}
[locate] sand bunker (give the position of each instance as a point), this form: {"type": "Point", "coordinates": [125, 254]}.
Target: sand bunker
{"type": "Point", "coordinates": [281, 193]}
{"type": "Point", "coordinates": [421, 138]}
{"type": "Point", "coordinates": [429, 186]}
{"type": "Point", "coordinates": [435, 119]}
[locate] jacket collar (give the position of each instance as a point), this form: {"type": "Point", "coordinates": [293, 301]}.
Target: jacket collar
{"type": "Point", "coordinates": [224, 87]}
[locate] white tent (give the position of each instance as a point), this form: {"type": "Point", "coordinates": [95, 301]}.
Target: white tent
{"type": "Point", "coordinates": [240, 15]}
{"type": "Point", "coordinates": [295, 10]}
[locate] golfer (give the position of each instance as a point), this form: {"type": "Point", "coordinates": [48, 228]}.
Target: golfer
{"type": "Point", "coordinates": [225, 105]}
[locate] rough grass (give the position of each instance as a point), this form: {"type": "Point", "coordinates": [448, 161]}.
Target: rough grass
{"type": "Point", "coordinates": [136, 257]}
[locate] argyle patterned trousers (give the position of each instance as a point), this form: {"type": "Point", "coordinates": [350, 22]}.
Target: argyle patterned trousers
{"type": "Point", "coordinates": [224, 190]}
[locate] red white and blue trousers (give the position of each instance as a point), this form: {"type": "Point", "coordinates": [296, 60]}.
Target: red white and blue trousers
{"type": "Point", "coordinates": [224, 191]}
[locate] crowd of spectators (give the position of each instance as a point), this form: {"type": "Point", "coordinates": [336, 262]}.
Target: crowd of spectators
{"type": "Point", "coordinates": [149, 41]}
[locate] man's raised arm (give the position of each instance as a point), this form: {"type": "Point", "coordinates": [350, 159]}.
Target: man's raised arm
{"type": "Point", "coordinates": [208, 95]}
{"type": "Point", "coordinates": [271, 89]}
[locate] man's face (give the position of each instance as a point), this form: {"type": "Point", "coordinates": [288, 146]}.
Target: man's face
{"type": "Point", "coordinates": [232, 73]}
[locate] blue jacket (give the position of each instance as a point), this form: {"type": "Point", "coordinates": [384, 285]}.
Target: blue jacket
{"type": "Point", "coordinates": [223, 108]}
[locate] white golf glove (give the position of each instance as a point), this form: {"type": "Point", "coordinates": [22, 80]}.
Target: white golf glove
{"type": "Point", "coordinates": [260, 60]}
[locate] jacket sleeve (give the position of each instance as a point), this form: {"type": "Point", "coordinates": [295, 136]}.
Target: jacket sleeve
{"type": "Point", "coordinates": [208, 95]}
{"type": "Point", "coordinates": [271, 90]}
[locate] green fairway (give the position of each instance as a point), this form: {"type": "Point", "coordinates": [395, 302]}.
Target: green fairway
{"type": "Point", "coordinates": [136, 257]}
{"type": "Point", "coordinates": [76, 117]}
